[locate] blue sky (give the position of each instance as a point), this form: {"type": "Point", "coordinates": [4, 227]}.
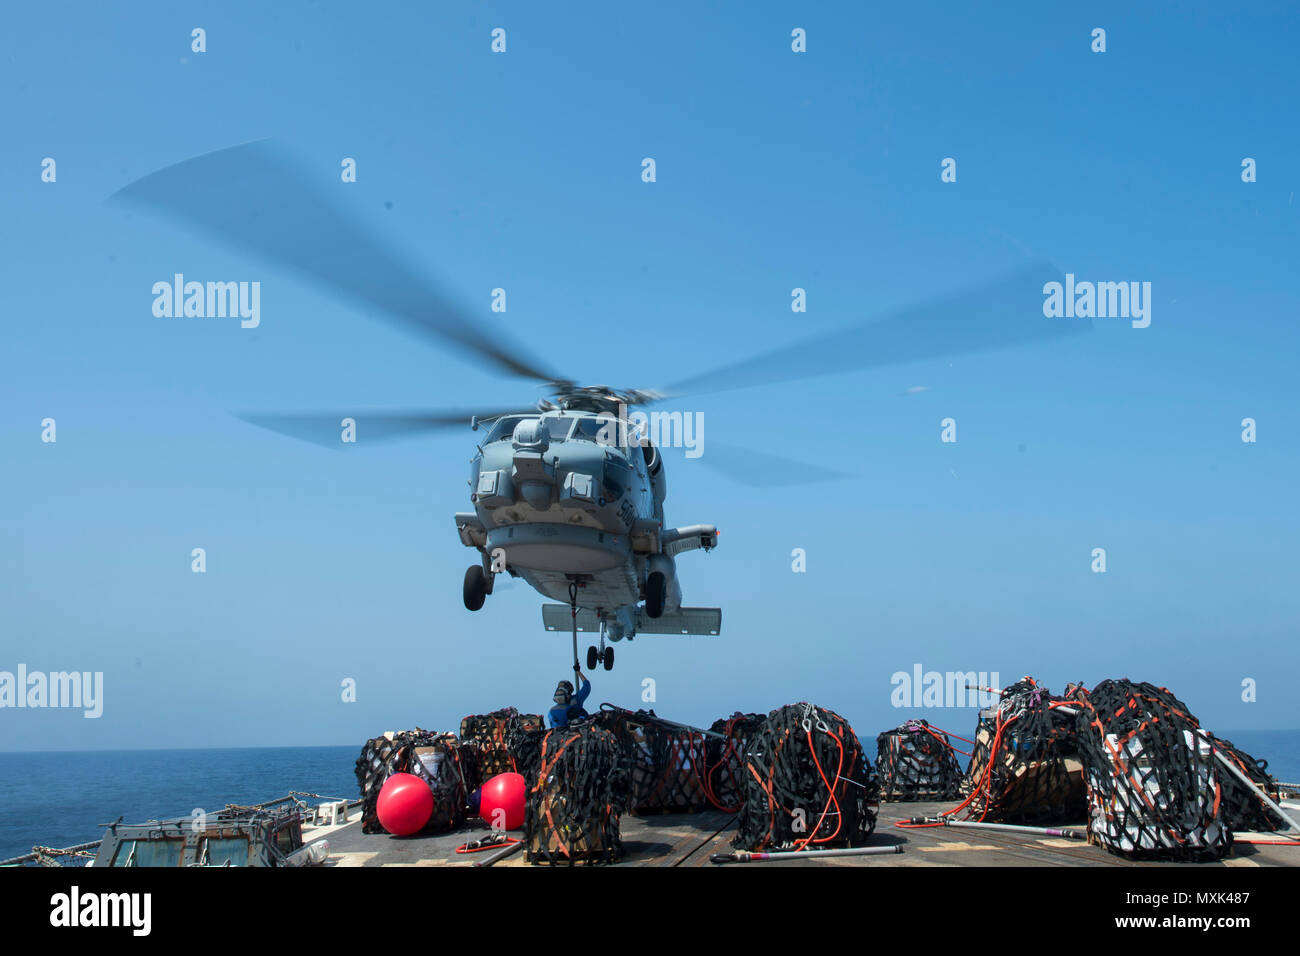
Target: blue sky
{"type": "Point", "coordinates": [775, 170]}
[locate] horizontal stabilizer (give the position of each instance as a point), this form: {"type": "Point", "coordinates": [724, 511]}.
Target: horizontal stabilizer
{"type": "Point", "coordinates": [684, 620]}
{"type": "Point", "coordinates": [555, 617]}
{"type": "Point", "coordinates": [687, 620]}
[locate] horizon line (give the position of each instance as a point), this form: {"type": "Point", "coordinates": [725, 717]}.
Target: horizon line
{"type": "Point", "coordinates": [1226, 732]}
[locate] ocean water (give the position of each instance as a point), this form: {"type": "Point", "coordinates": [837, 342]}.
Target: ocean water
{"type": "Point", "coordinates": [58, 799]}
{"type": "Point", "coordinates": [1281, 748]}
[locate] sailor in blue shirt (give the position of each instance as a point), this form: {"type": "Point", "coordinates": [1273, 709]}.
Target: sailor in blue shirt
{"type": "Point", "coordinates": [568, 706]}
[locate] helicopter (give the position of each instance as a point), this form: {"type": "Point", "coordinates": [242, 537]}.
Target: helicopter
{"type": "Point", "coordinates": [566, 496]}
{"type": "Point", "coordinates": [571, 499]}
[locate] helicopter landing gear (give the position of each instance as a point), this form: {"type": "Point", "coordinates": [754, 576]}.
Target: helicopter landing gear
{"type": "Point", "coordinates": [656, 589]}
{"type": "Point", "coordinates": [478, 585]}
{"type": "Point", "coordinates": [603, 656]}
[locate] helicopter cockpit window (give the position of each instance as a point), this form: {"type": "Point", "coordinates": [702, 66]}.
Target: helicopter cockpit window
{"type": "Point", "coordinates": [558, 427]}
{"type": "Point", "coordinates": [590, 429]}
{"type": "Point", "coordinates": [606, 431]}
{"type": "Point", "coordinates": [504, 429]}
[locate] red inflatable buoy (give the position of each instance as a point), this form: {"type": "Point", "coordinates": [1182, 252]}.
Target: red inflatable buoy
{"type": "Point", "coordinates": [405, 804]}
{"type": "Point", "coordinates": [502, 801]}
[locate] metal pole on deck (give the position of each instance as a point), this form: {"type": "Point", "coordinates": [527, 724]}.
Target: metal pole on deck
{"type": "Point", "coordinates": [500, 854]}
{"type": "Point", "coordinates": [744, 856]}
{"type": "Point", "coordinates": [1237, 772]}
{"type": "Point", "coordinates": [671, 723]}
{"type": "Point", "coordinates": [1011, 827]}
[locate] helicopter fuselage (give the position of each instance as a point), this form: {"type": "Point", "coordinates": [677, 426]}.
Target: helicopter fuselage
{"type": "Point", "coordinates": [568, 498]}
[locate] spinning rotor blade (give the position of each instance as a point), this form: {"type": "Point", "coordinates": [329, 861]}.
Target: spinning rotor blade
{"type": "Point", "coordinates": [327, 430]}
{"type": "Point", "coordinates": [760, 469]}
{"type": "Point", "coordinates": [1005, 313]}
{"type": "Point", "coordinates": [257, 198]}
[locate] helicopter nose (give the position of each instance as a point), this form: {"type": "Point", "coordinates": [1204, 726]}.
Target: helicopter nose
{"type": "Point", "coordinates": [533, 475]}
{"type": "Point", "coordinates": [536, 493]}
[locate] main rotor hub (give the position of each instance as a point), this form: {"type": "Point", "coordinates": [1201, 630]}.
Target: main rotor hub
{"type": "Point", "coordinates": [598, 398]}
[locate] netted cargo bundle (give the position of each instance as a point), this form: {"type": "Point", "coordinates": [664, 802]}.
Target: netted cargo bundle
{"type": "Point", "coordinates": [372, 767]}
{"type": "Point", "coordinates": [1242, 808]}
{"type": "Point", "coordinates": [1025, 765]}
{"type": "Point", "coordinates": [634, 749]}
{"type": "Point", "coordinates": [1153, 784]}
{"type": "Point", "coordinates": [526, 745]}
{"type": "Point", "coordinates": [491, 735]}
{"type": "Point", "coordinates": [725, 759]}
{"type": "Point", "coordinates": [435, 758]}
{"type": "Point", "coordinates": [665, 761]}
{"type": "Point", "coordinates": [576, 794]}
{"type": "Point", "coordinates": [807, 784]}
{"type": "Point", "coordinates": [917, 762]}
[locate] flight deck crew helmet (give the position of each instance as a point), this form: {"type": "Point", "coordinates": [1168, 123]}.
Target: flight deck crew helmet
{"type": "Point", "coordinates": [563, 692]}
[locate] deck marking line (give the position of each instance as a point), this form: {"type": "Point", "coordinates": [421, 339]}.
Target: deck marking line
{"type": "Point", "coordinates": [949, 847]}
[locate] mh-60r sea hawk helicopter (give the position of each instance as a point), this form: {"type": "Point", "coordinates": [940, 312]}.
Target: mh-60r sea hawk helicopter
{"type": "Point", "coordinates": [577, 516]}
{"type": "Point", "coordinates": [571, 499]}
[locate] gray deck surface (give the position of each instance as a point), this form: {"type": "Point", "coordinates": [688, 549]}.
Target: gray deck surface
{"type": "Point", "coordinates": [687, 839]}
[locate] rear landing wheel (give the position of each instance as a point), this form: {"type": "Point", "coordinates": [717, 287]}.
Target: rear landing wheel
{"type": "Point", "coordinates": [475, 587]}
{"type": "Point", "coordinates": [593, 658]}
{"type": "Point", "coordinates": [608, 656]}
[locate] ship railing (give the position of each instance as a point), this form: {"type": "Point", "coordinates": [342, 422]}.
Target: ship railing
{"type": "Point", "coordinates": [53, 856]}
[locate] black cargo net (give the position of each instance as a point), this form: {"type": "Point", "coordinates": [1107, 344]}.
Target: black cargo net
{"type": "Point", "coordinates": [490, 734]}
{"type": "Point", "coordinates": [435, 758]}
{"type": "Point", "coordinates": [807, 784]}
{"type": "Point", "coordinates": [1242, 807]}
{"type": "Point", "coordinates": [526, 745]}
{"type": "Point", "coordinates": [577, 789]}
{"type": "Point", "coordinates": [1025, 766]}
{"type": "Point", "coordinates": [725, 759]}
{"type": "Point", "coordinates": [917, 762]}
{"type": "Point", "coordinates": [665, 762]}
{"type": "Point", "coordinates": [1153, 784]}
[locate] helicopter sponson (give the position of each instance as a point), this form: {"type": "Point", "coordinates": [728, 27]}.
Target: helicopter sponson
{"type": "Point", "coordinates": [571, 500]}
